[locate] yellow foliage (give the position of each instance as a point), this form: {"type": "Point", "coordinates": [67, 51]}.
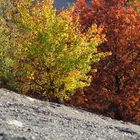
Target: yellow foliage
{"type": "Point", "coordinates": [52, 56]}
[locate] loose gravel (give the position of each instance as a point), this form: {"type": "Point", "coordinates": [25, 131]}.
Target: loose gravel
{"type": "Point", "coordinates": [25, 118]}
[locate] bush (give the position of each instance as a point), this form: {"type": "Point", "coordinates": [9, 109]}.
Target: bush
{"type": "Point", "coordinates": [52, 57]}
{"type": "Point", "coordinates": [8, 35]}
{"type": "Point", "coordinates": [114, 90]}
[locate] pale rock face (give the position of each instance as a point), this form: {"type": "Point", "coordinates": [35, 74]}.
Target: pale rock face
{"type": "Point", "coordinates": [59, 4]}
{"type": "Point", "coordinates": [15, 123]}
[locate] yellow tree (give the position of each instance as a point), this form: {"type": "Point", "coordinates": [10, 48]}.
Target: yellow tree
{"type": "Point", "coordinates": [52, 57]}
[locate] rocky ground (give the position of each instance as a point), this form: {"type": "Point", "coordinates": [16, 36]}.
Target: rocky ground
{"type": "Point", "coordinates": [24, 118]}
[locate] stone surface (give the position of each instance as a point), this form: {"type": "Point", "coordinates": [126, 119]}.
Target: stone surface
{"type": "Point", "coordinates": [59, 4]}
{"type": "Point", "coordinates": [24, 118]}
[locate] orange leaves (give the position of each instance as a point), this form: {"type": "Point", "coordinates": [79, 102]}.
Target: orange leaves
{"type": "Point", "coordinates": [97, 3]}
{"type": "Point", "coordinates": [116, 82]}
{"type": "Point", "coordinates": [130, 107]}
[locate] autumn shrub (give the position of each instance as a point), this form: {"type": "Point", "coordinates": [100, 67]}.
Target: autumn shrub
{"type": "Point", "coordinates": [52, 57]}
{"type": "Point", "coordinates": [114, 90]}
{"type": "Point", "coordinates": [8, 35]}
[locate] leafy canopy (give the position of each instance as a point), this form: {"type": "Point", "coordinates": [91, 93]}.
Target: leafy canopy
{"type": "Point", "coordinates": [52, 56]}
{"type": "Point", "coordinates": [114, 90]}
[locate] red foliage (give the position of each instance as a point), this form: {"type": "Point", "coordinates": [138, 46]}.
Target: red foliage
{"type": "Point", "coordinates": [115, 88]}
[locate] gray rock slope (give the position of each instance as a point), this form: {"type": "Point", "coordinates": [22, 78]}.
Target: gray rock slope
{"type": "Point", "coordinates": [24, 118]}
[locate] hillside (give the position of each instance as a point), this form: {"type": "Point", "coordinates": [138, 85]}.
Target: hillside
{"type": "Point", "coordinates": [24, 118]}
